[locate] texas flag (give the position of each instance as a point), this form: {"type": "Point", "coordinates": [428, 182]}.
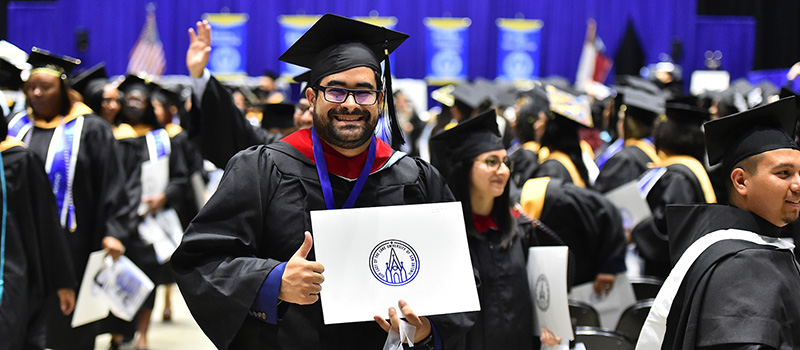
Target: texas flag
{"type": "Point", "coordinates": [594, 65]}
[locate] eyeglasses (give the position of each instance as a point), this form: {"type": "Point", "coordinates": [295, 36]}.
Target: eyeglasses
{"type": "Point", "coordinates": [493, 163]}
{"type": "Point", "coordinates": [363, 97]}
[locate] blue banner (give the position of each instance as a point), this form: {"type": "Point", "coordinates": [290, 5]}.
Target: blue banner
{"type": "Point", "coordinates": [292, 28]}
{"type": "Point", "coordinates": [518, 48]}
{"type": "Point", "coordinates": [228, 56]}
{"type": "Point", "coordinates": [446, 48]}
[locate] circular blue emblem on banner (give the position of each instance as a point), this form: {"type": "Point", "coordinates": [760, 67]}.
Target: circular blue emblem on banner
{"type": "Point", "coordinates": [393, 262]}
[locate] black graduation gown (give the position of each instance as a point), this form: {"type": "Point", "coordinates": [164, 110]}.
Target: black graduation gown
{"type": "Point", "coordinates": [553, 169]}
{"type": "Point", "coordinates": [36, 263]}
{"type": "Point", "coordinates": [255, 220]}
{"type": "Point", "coordinates": [186, 205]}
{"type": "Point", "coordinates": [101, 209]}
{"type": "Point", "coordinates": [525, 163]}
{"type": "Point", "coordinates": [678, 185]}
{"type": "Point", "coordinates": [737, 294]}
{"type": "Point", "coordinates": [586, 221]}
{"type": "Point", "coordinates": [623, 167]}
{"type": "Point", "coordinates": [506, 318]}
{"type": "Point", "coordinates": [219, 129]}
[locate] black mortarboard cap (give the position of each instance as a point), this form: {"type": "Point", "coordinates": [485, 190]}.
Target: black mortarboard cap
{"type": "Point", "coordinates": [467, 140]}
{"type": "Point", "coordinates": [569, 106]}
{"type": "Point", "coordinates": [43, 59]}
{"type": "Point", "coordinates": [277, 115]}
{"type": "Point", "coordinates": [81, 81]}
{"type": "Point", "coordinates": [132, 81]}
{"type": "Point", "coordinates": [335, 44]}
{"type": "Point", "coordinates": [10, 75]}
{"type": "Point", "coordinates": [638, 83]}
{"type": "Point", "coordinates": [641, 105]}
{"type": "Point", "coordinates": [731, 139]}
{"type": "Point", "coordinates": [686, 114]}
{"type": "Point", "coordinates": [504, 95]}
{"type": "Point", "coordinates": [469, 94]}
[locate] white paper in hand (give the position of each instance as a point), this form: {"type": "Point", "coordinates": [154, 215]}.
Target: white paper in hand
{"type": "Point", "coordinates": [547, 278]}
{"type": "Point", "coordinates": [374, 257]}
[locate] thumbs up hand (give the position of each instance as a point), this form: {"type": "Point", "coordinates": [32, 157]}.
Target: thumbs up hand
{"type": "Point", "coordinates": [302, 279]}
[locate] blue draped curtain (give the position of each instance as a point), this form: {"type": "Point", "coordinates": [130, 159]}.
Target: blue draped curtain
{"type": "Point", "coordinates": [112, 32]}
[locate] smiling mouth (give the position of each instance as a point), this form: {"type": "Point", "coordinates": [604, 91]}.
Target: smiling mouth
{"type": "Point", "coordinates": [793, 201]}
{"type": "Point", "coordinates": [348, 118]}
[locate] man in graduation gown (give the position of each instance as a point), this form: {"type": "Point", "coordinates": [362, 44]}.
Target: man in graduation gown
{"type": "Point", "coordinates": [35, 264]}
{"type": "Point", "coordinates": [245, 267]}
{"type": "Point", "coordinates": [640, 110]}
{"type": "Point", "coordinates": [678, 178]}
{"type": "Point", "coordinates": [735, 283]}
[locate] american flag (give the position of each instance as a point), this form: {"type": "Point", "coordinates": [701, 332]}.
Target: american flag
{"type": "Point", "coordinates": [147, 55]}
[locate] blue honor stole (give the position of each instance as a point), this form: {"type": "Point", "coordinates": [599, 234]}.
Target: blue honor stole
{"type": "Point", "coordinates": [3, 229]}
{"type": "Point", "coordinates": [62, 156]}
{"type": "Point", "coordinates": [158, 144]}
{"type": "Point", "coordinates": [19, 126]}
{"type": "Point", "coordinates": [62, 159]}
{"type": "Point", "coordinates": [324, 178]}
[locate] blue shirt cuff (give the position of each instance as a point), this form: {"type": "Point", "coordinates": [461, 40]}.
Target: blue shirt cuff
{"type": "Point", "coordinates": [437, 340]}
{"type": "Point", "coordinates": [265, 306]}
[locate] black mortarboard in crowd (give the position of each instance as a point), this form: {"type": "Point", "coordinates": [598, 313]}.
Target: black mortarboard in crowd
{"type": "Point", "coordinates": [133, 81]}
{"type": "Point", "coordinates": [641, 105]}
{"type": "Point", "coordinates": [277, 115]}
{"type": "Point", "coordinates": [9, 75]}
{"type": "Point", "coordinates": [43, 61]}
{"type": "Point", "coordinates": [731, 139]}
{"type": "Point", "coordinates": [82, 80]}
{"type": "Point", "coordinates": [469, 94]}
{"type": "Point", "coordinates": [686, 114]}
{"type": "Point", "coordinates": [467, 140]}
{"type": "Point", "coordinates": [335, 44]}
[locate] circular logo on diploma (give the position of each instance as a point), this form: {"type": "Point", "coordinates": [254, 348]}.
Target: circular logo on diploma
{"type": "Point", "coordinates": [393, 262]}
{"type": "Point", "coordinates": [542, 290]}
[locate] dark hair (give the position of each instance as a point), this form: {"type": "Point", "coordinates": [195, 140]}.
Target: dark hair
{"type": "Point", "coordinates": [458, 181]}
{"type": "Point", "coordinates": [528, 115]}
{"type": "Point", "coordinates": [93, 94]}
{"type": "Point", "coordinates": [149, 116]}
{"type": "Point", "coordinates": [561, 134]}
{"type": "Point", "coordinates": [680, 139]}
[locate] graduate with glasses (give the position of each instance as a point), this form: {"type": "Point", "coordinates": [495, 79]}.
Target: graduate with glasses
{"type": "Point", "coordinates": [246, 265]}
{"type": "Point", "coordinates": [498, 234]}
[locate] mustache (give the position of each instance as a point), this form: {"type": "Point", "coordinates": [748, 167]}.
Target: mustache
{"type": "Point", "coordinates": [343, 110]}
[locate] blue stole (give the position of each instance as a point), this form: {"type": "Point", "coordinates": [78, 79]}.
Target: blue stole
{"type": "Point", "coordinates": [61, 162]}
{"type": "Point", "coordinates": [324, 179]}
{"type": "Point", "coordinates": [158, 144]}
{"type": "Point", "coordinates": [4, 225]}
{"type": "Point", "coordinates": [610, 151]}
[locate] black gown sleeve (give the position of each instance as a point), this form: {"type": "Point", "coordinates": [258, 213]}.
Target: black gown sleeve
{"type": "Point", "coordinates": [219, 128]}
{"type": "Point", "coordinates": [113, 205]}
{"type": "Point", "coordinates": [216, 265]}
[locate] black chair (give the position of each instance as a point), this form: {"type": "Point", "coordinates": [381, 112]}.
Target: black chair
{"type": "Point", "coordinates": [583, 314]}
{"type": "Point", "coordinates": [632, 319]}
{"type": "Point", "coordinates": [602, 339]}
{"type": "Point", "coordinates": [646, 287]}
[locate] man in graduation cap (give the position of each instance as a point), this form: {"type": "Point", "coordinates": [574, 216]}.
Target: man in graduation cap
{"type": "Point", "coordinates": [245, 267]}
{"type": "Point", "coordinates": [734, 282]}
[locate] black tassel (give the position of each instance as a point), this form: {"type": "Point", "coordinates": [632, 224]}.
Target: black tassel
{"type": "Point", "coordinates": [397, 134]}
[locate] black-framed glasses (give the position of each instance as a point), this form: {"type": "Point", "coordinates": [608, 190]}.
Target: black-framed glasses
{"type": "Point", "coordinates": [493, 163]}
{"type": "Point", "coordinates": [363, 97]}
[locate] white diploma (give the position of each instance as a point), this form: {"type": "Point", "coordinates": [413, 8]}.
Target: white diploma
{"type": "Point", "coordinates": [374, 257]}
{"type": "Point", "coordinates": [547, 278]}
{"type": "Point", "coordinates": [119, 287]}
{"type": "Point", "coordinates": [631, 204]}
{"type": "Point", "coordinates": [155, 178]}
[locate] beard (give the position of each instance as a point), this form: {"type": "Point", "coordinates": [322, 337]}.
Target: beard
{"type": "Point", "coordinates": [348, 136]}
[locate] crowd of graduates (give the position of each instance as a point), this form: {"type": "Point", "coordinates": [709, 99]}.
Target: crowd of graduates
{"type": "Point", "coordinates": [551, 151]}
